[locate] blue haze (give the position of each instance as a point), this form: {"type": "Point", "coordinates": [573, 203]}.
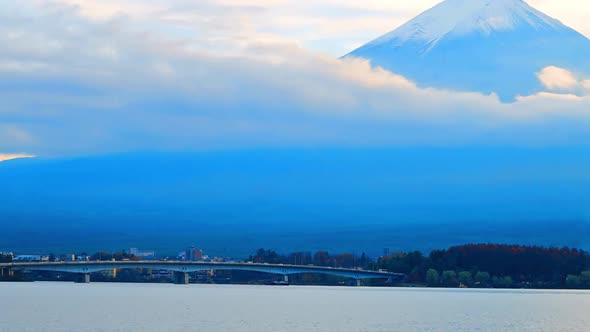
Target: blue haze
{"type": "Point", "coordinates": [232, 202]}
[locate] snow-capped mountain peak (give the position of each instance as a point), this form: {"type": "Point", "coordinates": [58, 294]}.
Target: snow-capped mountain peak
{"type": "Point", "coordinates": [460, 17]}
{"type": "Point", "coordinates": [489, 46]}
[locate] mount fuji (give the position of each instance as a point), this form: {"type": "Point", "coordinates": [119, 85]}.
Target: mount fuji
{"type": "Point", "coordinates": [488, 46]}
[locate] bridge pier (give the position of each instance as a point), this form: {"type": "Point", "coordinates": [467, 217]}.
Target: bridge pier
{"type": "Point", "coordinates": [82, 278]}
{"type": "Point", "coordinates": [286, 278]}
{"type": "Point", "coordinates": [181, 278]}
{"type": "Point", "coordinates": [356, 283]}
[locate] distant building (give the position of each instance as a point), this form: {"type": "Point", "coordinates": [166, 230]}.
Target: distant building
{"type": "Point", "coordinates": [7, 254]}
{"type": "Point", "coordinates": [68, 258]}
{"type": "Point", "coordinates": [142, 254]}
{"type": "Point", "coordinates": [82, 258]}
{"type": "Point", "coordinates": [193, 254]}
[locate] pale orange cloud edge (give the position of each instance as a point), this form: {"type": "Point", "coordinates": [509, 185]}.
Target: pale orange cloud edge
{"type": "Point", "coordinates": [5, 157]}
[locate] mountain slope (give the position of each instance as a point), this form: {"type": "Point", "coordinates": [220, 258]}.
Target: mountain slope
{"type": "Point", "coordinates": [480, 45]}
{"type": "Point", "coordinates": [339, 200]}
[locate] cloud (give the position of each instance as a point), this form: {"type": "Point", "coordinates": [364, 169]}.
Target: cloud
{"type": "Point", "coordinates": [74, 85]}
{"type": "Point", "coordinates": [329, 26]}
{"type": "Point", "coordinates": [555, 78]}
{"type": "Point", "coordinates": [6, 157]}
{"type": "Point", "coordinates": [560, 80]}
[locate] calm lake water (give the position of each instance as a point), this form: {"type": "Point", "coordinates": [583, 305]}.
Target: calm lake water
{"type": "Point", "coordinates": [153, 307]}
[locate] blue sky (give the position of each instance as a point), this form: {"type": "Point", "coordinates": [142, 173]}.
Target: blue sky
{"type": "Point", "coordinates": [84, 77]}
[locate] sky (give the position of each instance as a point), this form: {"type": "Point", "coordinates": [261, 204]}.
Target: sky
{"type": "Point", "coordinates": [83, 77]}
{"type": "Point", "coordinates": [330, 26]}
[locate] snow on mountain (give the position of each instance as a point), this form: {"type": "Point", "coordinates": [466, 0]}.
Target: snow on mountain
{"type": "Point", "coordinates": [460, 17]}
{"type": "Point", "coordinates": [490, 46]}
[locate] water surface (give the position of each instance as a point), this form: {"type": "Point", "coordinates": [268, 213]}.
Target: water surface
{"type": "Point", "coordinates": [164, 307]}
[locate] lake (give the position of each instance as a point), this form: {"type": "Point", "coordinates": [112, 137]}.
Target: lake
{"type": "Point", "coordinates": [44, 306]}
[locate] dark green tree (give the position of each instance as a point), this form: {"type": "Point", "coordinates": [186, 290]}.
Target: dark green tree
{"type": "Point", "coordinates": [573, 281]}
{"type": "Point", "coordinates": [432, 278]}
{"type": "Point", "coordinates": [465, 278]}
{"type": "Point", "coordinates": [482, 278]}
{"type": "Point", "coordinates": [449, 279]}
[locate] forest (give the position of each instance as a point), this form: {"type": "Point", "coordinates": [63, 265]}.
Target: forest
{"type": "Point", "coordinates": [472, 265]}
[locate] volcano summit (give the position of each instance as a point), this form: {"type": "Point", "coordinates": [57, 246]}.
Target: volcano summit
{"type": "Point", "coordinates": [488, 46]}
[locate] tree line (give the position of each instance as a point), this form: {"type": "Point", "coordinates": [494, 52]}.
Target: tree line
{"type": "Point", "coordinates": [5, 258]}
{"type": "Point", "coordinates": [494, 265]}
{"type": "Point", "coordinates": [472, 265]}
{"type": "Point", "coordinates": [118, 256]}
{"type": "Point", "coordinates": [320, 258]}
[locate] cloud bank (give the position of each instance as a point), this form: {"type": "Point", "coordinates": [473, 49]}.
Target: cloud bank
{"type": "Point", "coordinates": [6, 157]}
{"type": "Point", "coordinates": [562, 80]}
{"type": "Point", "coordinates": [78, 85]}
{"type": "Point", "coordinates": [330, 26]}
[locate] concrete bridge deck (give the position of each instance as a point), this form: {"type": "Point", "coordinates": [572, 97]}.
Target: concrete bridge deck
{"type": "Point", "coordinates": [182, 268]}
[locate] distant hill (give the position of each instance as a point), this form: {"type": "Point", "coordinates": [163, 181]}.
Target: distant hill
{"type": "Point", "coordinates": [237, 201]}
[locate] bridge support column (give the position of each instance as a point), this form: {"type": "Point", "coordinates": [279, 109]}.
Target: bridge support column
{"type": "Point", "coordinates": [1, 272]}
{"type": "Point", "coordinates": [10, 273]}
{"type": "Point", "coordinates": [181, 278]}
{"type": "Point", "coordinates": [286, 278]}
{"type": "Point", "coordinates": [82, 278]}
{"type": "Point", "coordinates": [357, 283]}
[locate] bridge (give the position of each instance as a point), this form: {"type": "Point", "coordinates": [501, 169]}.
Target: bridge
{"type": "Point", "coordinates": [182, 269]}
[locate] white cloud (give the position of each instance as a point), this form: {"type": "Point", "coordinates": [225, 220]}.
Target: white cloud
{"type": "Point", "coordinates": [563, 81]}
{"type": "Point", "coordinates": [8, 156]}
{"type": "Point", "coordinates": [109, 86]}
{"type": "Point", "coordinates": [555, 78]}
{"type": "Point", "coordinates": [329, 26]}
